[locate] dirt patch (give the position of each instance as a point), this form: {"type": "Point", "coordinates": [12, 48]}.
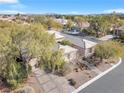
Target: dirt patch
{"type": "Point", "coordinates": [106, 64]}
{"type": "Point", "coordinates": [81, 77]}
{"type": "Point", "coordinates": [103, 66]}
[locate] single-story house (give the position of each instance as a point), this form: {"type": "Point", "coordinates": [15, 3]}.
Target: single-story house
{"type": "Point", "coordinates": [117, 30]}
{"type": "Point", "coordinates": [62, 21]}
{"type": "Point", "coordinates": [85, 45]}
{"type": "Point", "coordinates": [89, 47]}
{"type": "Point", "coordinates": [70, 53]}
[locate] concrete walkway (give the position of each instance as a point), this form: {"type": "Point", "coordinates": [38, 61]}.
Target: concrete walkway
{"type": "Point", "coordinates": [50, 83]}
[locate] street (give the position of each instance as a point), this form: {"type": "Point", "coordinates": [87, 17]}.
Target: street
{"type": "Point", "coordinates": [113, 82]}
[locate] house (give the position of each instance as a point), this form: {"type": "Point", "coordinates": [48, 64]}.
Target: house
{"type": "Point", "coordinates": [82, 25]}
{"type": "Point", "coordinates": [117, 30]}
{"type": "Point", "coordinates": [9, 18]}
{"type": "Point", "coordinates": [62, 21]}
{"type": "Point", "coordinates": [70, 53]}
{"type": "Point", "coordinates": [85, 45]}
{"type": "Point", "coordinates": [58, 36]}
{"type": "Point", "coordinates": [120, 30]}
{"type": "Point", "coordinates": [89, 47]}
{"type": "Point", "coordinates": [107, 37]}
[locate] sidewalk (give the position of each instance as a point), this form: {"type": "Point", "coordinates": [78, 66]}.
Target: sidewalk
{"type": "Point", "coordinates": [50, 83]}
{"type": "Point", "coordinates": [97, 77]}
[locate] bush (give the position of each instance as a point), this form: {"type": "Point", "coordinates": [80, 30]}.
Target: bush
{"type": "Point", "coordinates": [122, 36]}
{"type": "Point", "coordinates": [66, 42]}
{"type": "Point", "coordinates": [109, 49]}
{"type": "Point", "coordinates": [72, 82]}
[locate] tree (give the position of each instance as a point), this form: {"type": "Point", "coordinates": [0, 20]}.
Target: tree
{"type": "Point", "coordinates": [55, 61]}
{"type": "Point", "coordinates": [70, 24]}
{"type": "Point", "coordinates": [99, 25]}
{"type": "Point", "coordinates": [121, 37]}
{"type": "Point", "coordinates": [14, 39]}
{"type": "Point", "coordinates": [79, 21]}
{"type": "Point", "coordinates": [54, 24]}
{"type": "Point", "coordinates": [66, 42]}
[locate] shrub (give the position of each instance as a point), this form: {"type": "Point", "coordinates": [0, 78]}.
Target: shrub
{"type": "Point", "coordinates": [66, 42]}
{"type": "Point", "coordinates": [109, 49]}
{"type": "Point", "coordinates": [72, 82]}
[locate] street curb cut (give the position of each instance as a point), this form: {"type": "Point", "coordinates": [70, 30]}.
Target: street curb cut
{"type": "Point", "coordinates": [97, 77]}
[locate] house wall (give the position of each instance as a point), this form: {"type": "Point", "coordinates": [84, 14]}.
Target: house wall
{"type": "Point", "coordinates": [89, 51]}
{"type": "Point", "coordinates": [84, 52]}
{"type": "Point", "coordinates": [80, 50]}
{"type": "Point", "coordinates": [70, 57]}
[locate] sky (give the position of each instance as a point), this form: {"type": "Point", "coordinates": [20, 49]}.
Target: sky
{"type": "Point", "coordinates": [61, 6]}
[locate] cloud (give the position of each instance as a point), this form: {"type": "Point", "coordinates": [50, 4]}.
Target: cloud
{"type": "Point", "coordinates": [18, 6]}
{"type": "Point", "coordinates": [11, 12]}
{"type": "Point", "coordinates": [114, 10]}
{"type": "Point", "coordinates": [9, 1]}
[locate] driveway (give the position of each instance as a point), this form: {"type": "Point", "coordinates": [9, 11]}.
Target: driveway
{"type": "Point", "coordinates": [50, 83]}
{"type": "Point", "coordinates": [113, 82]}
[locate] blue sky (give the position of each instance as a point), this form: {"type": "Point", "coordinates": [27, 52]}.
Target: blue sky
{"type": "Point", "coordinates": [61, 6]}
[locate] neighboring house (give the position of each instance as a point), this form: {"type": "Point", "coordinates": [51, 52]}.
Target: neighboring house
{"type": "Point", "coordinates": [62, 21]}
{"type": "Point", "coordinates": [107, 37]}
{"type": "Point", "coordinates": [117, 30]}
{"type": "Point", "coordinates": [83, 25]}
{"type": "Point", "coordinates": [8, 18]}
{"type": "Point", "coordinates": [120, 30]}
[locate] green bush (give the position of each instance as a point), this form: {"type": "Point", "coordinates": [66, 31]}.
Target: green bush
{"type": "Point", "coordinates": [109, 49]}
{"type": "Point", "coordinates": [122, 36]}
{"type": "Point", "coordinates": [66, 42]}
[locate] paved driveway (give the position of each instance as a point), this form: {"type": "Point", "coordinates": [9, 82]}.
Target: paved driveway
{"type": "Point", "coordinates": [50, 83]}
{"type": "Point", "coordinates": [113, 82]}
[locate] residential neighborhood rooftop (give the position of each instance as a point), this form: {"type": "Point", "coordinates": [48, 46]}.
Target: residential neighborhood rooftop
{"type": "Point", "coordinates": [121, 28]}
{"type": "Point", "coordinates": [67, 49]}
{"type": "Point", "coordinates": [107, 37]}
{"type": "Point", "coordinates": [57, 34]}
{"type": "Point", "coordinates": [78, 40]}
{"type": "Point", "coordinates": [89, 44]}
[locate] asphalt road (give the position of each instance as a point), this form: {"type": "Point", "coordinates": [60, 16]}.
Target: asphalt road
{"type": "Point", "coordinates": [113, 82]}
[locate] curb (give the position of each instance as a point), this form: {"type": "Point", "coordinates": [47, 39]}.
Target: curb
{"type": "Point", "coordinates": [97, 77]}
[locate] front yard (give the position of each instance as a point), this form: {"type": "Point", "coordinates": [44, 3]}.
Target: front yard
{"type": "Point", "coordinates": [89, 72]}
